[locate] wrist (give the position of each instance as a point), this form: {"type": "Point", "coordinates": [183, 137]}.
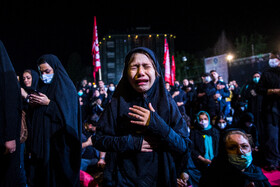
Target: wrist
{"type": "Point", "coordinates": [102, 157]}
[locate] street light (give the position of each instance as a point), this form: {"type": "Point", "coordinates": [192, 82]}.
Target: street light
{"type": "Point", "coordinates": [229, 57]}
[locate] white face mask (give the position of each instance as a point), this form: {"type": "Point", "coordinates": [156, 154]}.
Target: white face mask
{"type": "Point", "coordinates": [273, 62]}
{"type": "Point", "coordinates": [204, 123]}
{"type": "Point", "coordinates": [47, 78]}
{"type": "Point", "coordinates": [222, 125]}
{"type": "Point", "coordinates": [208, 79]}
{"type": "Point", "coordinates": [112, 88]}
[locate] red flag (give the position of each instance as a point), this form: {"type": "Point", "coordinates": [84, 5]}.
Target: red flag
{"type": "Point", "coordinates": [173, 69]}
{"type": "Point", "coordinates": [166, 62]}
{"type": "Point", "coordinates": [95, 51]}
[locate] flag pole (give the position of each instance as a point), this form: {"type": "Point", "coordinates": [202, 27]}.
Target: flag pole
{"type": "Point", "coordinates": [99, 72]}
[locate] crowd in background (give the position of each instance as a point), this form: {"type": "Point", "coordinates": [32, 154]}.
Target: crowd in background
{"type": "Point", "coordinates": [226, 105]}
{"type": "Point", "coordinates": [209, 108]}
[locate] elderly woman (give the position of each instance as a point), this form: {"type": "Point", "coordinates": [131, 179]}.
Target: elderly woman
{"type": "Point", "coordinates": [233, 165]}
{"type": "Point", "coordinates": [142, 130]}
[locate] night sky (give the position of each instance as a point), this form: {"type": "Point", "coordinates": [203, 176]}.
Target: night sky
{"type": "Point", "coordinates": [30, 29]}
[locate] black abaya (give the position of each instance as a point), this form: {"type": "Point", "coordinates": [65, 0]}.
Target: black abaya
{"type": "Point", "coordinates": [10, 119]}
{"type": "Point", "coordinates": [126, 165]}
{"type": "Point", "coordinates": [56, 144]}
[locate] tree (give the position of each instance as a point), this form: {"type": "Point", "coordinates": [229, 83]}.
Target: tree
{"type": "Point", "coordinates": [190, 69]}
{"type": "Point", "coordinates": [250, 45]}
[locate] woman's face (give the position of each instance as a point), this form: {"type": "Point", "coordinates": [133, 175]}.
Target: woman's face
{"type": "Point", "coordinates": [27, 79]}
{"type": "Point", "coordinates": [45, 68]}
{"type": "Point", "coordinates": [141, 73]}
{"type": "Point", "coordinates": [237, 144]}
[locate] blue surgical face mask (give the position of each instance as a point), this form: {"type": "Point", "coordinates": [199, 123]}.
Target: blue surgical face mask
{"type": "Point", "coordinates": [80, 93]}
{"type": "Point", "coordinates": [47, 78]}
{"type": "Point", "coordinates": [256, 80]}
{"type": "Point", "coordinates": [240, 161]}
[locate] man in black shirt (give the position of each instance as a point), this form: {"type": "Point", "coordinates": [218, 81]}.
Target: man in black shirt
{"type": "Point", "coordinates": [269, 87]}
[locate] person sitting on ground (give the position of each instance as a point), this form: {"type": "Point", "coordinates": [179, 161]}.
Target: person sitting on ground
{"type": "Point", "coordinates": [233, 165]}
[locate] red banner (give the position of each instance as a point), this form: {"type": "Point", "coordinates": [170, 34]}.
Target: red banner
{"type": "Point", "coordinates": [95, 51]}
{"type": "Point", "coordinates": [173, 69]}
{"type": "Point", "coordinates": [166, 62]}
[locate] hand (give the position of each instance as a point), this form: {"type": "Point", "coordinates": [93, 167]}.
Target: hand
{"type": "Point", "coordinates": [40, 99]}
{"type": "Point", "coordinates": [10, 146]}
{"type": "Point", "coordinates": [175, 94]}
{"type": "Point", "coordinates": [206, 161]}
{"type": "Point", "coordinates": [101, 163]}
{"type": "Point", "coordinates": [146, 147]}
{"type": "Point", "coordinates": [182, 181]}
{"type": "Point", "coordinates": [180, 103]}
{"type": "Point", "coordinates": [87, 143]}
{"type": "Point", "coordinates": [220, 86]}
{"type": "Point", "coordinates": [141, 114]}
{"type": "Point", "coordinates": [253, 93]}
{"type": "Point", "coordinates": [277, 91]}
{"type": "Point", "coordinates": [201, 94]}
{"type": "Point", "coordinates": [216, 96]}
{"type": "Point", "coordinates": [23, 93]}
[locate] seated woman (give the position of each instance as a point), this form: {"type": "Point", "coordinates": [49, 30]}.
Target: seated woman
{"type": "Point", "coordinates": [221, 123]}
{"type": "Point", "coordinates": [233, 165]}
{"type": "Point", "coordinates": [205, 141]}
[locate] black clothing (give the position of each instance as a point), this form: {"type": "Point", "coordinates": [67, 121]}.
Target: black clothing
{"type": "Point", "coordinates": [126, 165]}
{"type": "Point", "coordinates": [182, 97]}
{"type": "Point", "coordinates": [56, 144]}
{"type": "Point", "coordinates": [270, 79]}
{"type": "Point", "coordinates": [254, 103]}
{"type": "Point", "coordinates": [221, 173]}
{"type": "Point", "coordinates": [10, 120]}
{"type": "Point", "coordinates": [206, 102]}
{"type": "Point", "coordinates": [198, 144]}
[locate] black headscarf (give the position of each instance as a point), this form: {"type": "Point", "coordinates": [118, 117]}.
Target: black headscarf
{"type": "Point", "coordinates": [115, 122]}
{"type": "Point", "coordinates": [35, 81]}
{"type": "Point", "coordinates": [57, 127]}
{"type": "Point", "coordinates": [222, 173]}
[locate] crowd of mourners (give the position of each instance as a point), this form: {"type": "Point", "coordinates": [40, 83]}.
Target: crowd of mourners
{"type": "Point", "coordinates": [208, 133]}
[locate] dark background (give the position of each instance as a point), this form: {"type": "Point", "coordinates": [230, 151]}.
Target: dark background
{"type": "Point", "coordinates": [30, 29]}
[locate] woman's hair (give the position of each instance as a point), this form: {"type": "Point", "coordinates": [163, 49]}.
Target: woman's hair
{"type": "Point", "coordinates": [246, 136]}
{"type": "Point", "coordinates": [203, 113]}
{"type": "Point", "coordinates": [149, 57]}
{"type": "Point", "coordinates": [219, 117]}
{"type": "Point", "coordinates": [27, 71]}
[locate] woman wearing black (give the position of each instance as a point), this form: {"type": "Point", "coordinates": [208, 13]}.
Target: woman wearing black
{"type": "Point", "coordinates": [205, 141]}
{"type": "Point", "coordinates": [56, 140]}
{"type": "Point", "coordinates": [28, 81]}
{"type": "Point", "coordinates": [233, 166]}
{"type": "Point", "coordinates": [142, 130]}
{"type": "Point", "coordinates": [10, 119]}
